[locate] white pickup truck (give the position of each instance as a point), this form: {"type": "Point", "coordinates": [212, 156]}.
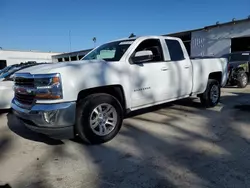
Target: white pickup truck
{"type": "Point", "coordinates": [89, 98]}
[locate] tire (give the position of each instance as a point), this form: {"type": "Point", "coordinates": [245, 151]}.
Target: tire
{"type": "Point", "coordinates": [206, 97]}
{"type": "Point", "coordinates": [85, 113]}
{"type": "Point", "coordinates": [242, 80]}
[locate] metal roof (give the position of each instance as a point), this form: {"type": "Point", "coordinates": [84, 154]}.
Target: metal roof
{"type": "Point", "coordinates": [234, 21]}
{"type": "Point", "coordinates": [35, 51]}
{"type": "Point", "coordinates": [75, 53]}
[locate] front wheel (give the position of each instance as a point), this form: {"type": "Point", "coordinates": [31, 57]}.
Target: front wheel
{"type": "Point", "coordinates": [211, 96]}
{"type": "Point", "coordinates": [99, 118]}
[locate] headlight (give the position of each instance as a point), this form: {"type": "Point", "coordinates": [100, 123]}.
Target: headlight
{"type": "Point", "coordinates": [48, 86]}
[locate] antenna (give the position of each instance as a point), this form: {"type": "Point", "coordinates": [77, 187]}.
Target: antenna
{"type": "Point", "coordinates": [69, 40]}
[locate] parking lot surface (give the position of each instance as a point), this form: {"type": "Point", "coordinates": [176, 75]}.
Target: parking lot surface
{"type": "Point", "coordinates": [179, 144]}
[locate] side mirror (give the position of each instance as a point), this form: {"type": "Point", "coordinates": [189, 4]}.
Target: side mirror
{"type": "Point", "coordinates": [142, 56]}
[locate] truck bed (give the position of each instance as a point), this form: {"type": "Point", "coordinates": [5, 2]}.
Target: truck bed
{"type": "Point", "coordinates": [202, 68]}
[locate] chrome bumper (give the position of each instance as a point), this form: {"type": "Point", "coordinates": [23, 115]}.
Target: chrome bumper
{"type": "Point", "coordinates": [54, 120]}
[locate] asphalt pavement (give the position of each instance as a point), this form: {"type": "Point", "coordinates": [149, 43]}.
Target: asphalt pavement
{"type": "Point", "coordinates": [180, 144]}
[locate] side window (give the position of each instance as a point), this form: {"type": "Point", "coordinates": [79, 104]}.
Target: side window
{"type": "Point", "coordinates": [154, 45]}
{"type": "Point", "coordinates": [175, 50]}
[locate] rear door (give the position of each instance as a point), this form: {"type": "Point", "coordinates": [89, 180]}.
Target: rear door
{"type": "Point", "coordinates": [180, 68]}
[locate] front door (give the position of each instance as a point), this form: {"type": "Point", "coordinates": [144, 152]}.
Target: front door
{"type": "Point", "coordinates": [149, 80]}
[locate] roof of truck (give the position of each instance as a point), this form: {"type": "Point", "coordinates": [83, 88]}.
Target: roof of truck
{"type": "Point", "coordinates": [146, 36]}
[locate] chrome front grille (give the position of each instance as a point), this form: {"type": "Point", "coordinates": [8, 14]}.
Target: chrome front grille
{"type": "Point", "coordinates": [26, 82]}
{"type": "Point", "coordinates": [24, 90]}
{"type": "Point", "coordinates": [24, 99]}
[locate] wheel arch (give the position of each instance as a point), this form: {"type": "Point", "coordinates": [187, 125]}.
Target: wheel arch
{"type": "Point", "coordinates": [216, 76]}
{"type": "Point", "coordinates": [116, 91]}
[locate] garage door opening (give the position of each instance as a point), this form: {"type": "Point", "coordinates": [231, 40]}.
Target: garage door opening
{"type": "Point", "coordinates": [240, 44]}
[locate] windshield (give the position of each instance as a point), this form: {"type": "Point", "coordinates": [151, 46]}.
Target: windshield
{"type": "Point", "coordinates": [239, 56]}
{"type": "Point", "coordinates": [112, 51]}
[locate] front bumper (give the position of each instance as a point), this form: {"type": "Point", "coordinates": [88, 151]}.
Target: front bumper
{"type": "Point", "coordinates": [55, 120]}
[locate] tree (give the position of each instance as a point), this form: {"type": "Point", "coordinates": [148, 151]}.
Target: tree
{"type": "Point", "coordinates": [94, 40]}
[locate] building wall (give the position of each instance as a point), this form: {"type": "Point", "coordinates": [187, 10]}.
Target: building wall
{"type": "Point", "coordinates": [15, 57]}
{"type": "Point", "coordinates": [217, 41]}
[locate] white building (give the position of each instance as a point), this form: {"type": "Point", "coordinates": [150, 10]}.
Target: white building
{"type": "Point", "coordinates": [218, 39]}
{"type": "Point", "coordinates": [10, 57]}
{"type": "Point", "coordinates": [71, 56]}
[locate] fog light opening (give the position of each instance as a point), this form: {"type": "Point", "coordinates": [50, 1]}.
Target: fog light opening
{"type": "Point", "coordinates": [50, 116]}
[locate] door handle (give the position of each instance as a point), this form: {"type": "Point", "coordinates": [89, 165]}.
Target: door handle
{"type": "Point", "coordinates": [187, 67]}
{"type": "Point", "coordinates": [164, 69]}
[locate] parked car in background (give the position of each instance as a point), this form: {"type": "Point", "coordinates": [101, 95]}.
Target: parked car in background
{"type": "Point", "coordinates": [7, 82]}
{"type": "Point", "coordinates": [238, 68]}
{"type": "Point", "coordinates": [89, 98]}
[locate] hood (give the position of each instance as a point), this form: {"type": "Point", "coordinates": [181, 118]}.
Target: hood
{"type": "Point", "coordinates": [58, 67]}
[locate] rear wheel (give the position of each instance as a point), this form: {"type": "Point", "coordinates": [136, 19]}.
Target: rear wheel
{"type": "Point", "coordinates": [211, 96]}
{"type": "Point", "coordinates": [242, 80]}
{"type": "Point", "coordinates": [99, 118]}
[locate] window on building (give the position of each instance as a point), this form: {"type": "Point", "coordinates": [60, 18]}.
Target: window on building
{"type": "Point", "coordinates": [66, 59]}
{"type": "Point", "coordinates": [73, 58]}
{"type": "Point", "coordinates": [60, 59]}
{"type": "Point", "coordinates": [175, 50]}
{"type": "Point", "coordinates": [3, 64]}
